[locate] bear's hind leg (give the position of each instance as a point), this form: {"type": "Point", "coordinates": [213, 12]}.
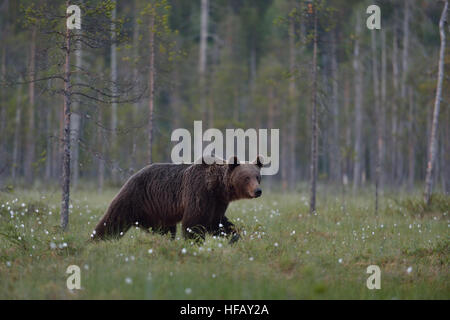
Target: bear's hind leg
{"type": "Point", "coordinates": [173, 232]}
{"type": "Point", "coordinates": [165, 230]}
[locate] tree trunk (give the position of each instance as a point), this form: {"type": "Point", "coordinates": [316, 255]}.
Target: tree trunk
{"type": "Point", "coordinates": [270, 125]}
{"type": "Point", "coordinates": [348, 133]}
{"type": "Point", "coordinates": [135, 77]}
{"type": "Point", "coordinates": [151, 85]}
{"type": "Point", "coordinates": [395, 73]}
{"type": "Point", "coordinates": [379, 139]}
{"type": "Point", "coordinates": [437, 102]}
{"type": "Point", "coordinates": [49, 158]}
{"type": "Point", "coordinates": [358, 108]}
{"type": "Point", "coordinates": [411, 140]}
{"type": "Point", "coordinates": [65, 177]}
{"type": "Point", "coordinates": [3, 107]}
{"type": "Point", "coordinates": [404, 85]}
{"type": "Point", "coordinates": [293, 106]}
{"type": "Point", "coordinates": [100, 159]}
{"type": "Point", "coordinates": [100, 147]}
{"type": "Point", "coordinates": [203, 56]}
{"type": "Point", "coordinates": [30, 138]}
{"type": "Point", "coordinates": [76, 119]}
{"type": "Point", "coordinates": [335, 146]}
{"type": "Point", "coordinates": [382, 116]}
{"type": "Point", "coordinates": [114, 93]}
{"type": "Point", "coordinates": [17, 131]}
{"type": "Point", "coordinates": [446, 174]}
{"type": "Point", "coordinates": [314, 124]}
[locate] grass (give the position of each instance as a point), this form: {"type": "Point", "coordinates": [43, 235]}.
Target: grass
{"type": "Point", "coordinates": [284, 252]}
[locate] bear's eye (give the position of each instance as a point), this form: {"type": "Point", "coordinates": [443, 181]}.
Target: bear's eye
{"type": "Point", "coordinates": [247, 178]}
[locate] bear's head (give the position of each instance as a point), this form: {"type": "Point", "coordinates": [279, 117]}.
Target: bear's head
{"type": "Point", "coordinates": [244, 178]}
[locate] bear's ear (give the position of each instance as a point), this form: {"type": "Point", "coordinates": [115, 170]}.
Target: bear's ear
{"type": "Point", "coordinates": [259, 161]}
{"type": "Point", "coordinates": [233, 162]}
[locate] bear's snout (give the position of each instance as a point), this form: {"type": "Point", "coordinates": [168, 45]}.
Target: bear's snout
{"type": "Point", "coordinates": [258, 193]}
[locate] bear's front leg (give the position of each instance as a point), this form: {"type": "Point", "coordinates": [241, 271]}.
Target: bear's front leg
{"type": "Point", "coordinates": [227, 228]}
{"type": "Point", "coordinates": [194, 232]}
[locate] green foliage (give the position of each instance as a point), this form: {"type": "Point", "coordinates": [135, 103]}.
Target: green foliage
{"type": "Point", "coordinates": [417, 206]}
{"type": "Point", "coordinates": [284, 253]}
{"type": "Point", "coordinates": [160, 10]}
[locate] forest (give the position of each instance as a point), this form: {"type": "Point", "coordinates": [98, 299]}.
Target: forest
{"type": "Point", "coordinates": [362, 112]}
{"type": "Point", "coordinates": [232, 64]}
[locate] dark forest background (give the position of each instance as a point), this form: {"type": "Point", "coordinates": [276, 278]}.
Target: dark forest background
{"type": "Point", "coordinates": [232, 64]}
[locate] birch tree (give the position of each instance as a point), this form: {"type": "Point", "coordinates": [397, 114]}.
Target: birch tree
{"type": "Point", "coordinates": [75, 118]}
{"type": "Point", "coordinates": [17, 123]}
{"type": "Point", "coordinates": [358, 105]}
{"type": "Point", "coordinates": [405, 67]}
{"type": "Point", "coordinates": [202, 60]}
{"type": "Point", "coordinates": [314, 120]}
{"type": "Point", "coordinates": [376, 93]}
{"type": "Point", "coordinates": [336, 152]}
{"type": "Point", "coordinates": [30, 138]}
{"type": "Point", "coordinates": [394, 123]}
{"type": "Point", "coordinates": [437, 103]}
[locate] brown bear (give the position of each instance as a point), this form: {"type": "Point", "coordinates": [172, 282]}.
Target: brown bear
{"type": "Point", "coordinates": [160, 195]}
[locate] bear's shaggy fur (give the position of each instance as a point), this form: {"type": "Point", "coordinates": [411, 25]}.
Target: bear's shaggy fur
{"type": "Point", "coordinates": [161, 195]}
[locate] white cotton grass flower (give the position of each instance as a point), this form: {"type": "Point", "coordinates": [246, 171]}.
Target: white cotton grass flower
{"type": "Point", "coordinates": [188, 290]}
{"type": "Point", "coordinates": [183, 251]}
{"type": "Point", "coordinates": [150, 251]}
{"type": "Point", "coordinates": [128, 280]}
{"type": "Point", "coordinates": [340, 260]}
{"type": "Point", "coordinates": [409, 270]}
{"type": "Point", "coordinates": [251, 258]}
{"type": "Point", "coordinates": [276, 244]}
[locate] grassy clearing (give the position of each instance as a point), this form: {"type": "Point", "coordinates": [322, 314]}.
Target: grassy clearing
{"type": "Point", "coordinates": [284, 253]}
